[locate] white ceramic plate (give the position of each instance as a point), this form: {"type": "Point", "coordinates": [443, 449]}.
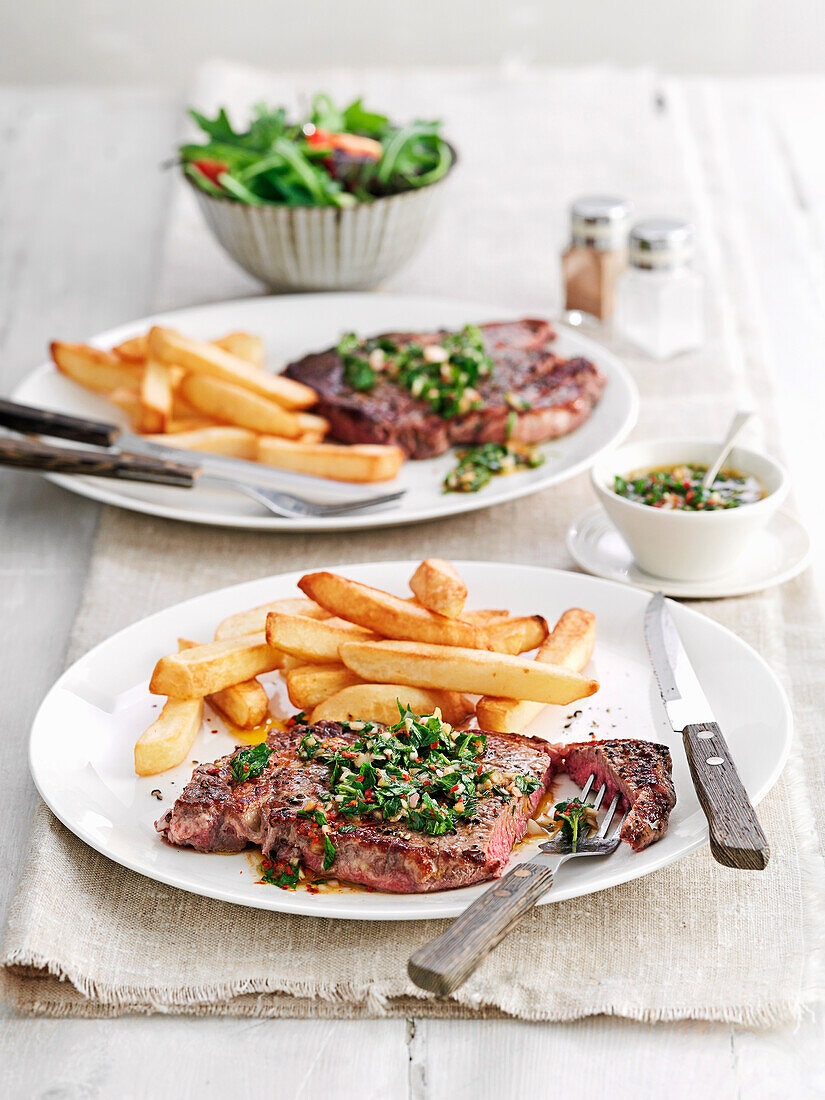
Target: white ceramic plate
{"type": "Point", "coordinates": [776, 554]}
{"type": "Point", "coordinates": [82, 742]}
{"type": "Point", "coordinates": [296, 324]}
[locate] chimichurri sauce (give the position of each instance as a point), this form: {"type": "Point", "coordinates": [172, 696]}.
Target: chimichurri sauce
{"type": "Point", "coordinates": [680, 487]}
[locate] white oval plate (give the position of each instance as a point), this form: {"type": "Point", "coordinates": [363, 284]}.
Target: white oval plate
{"type": "Point", "coordinates": [777, 554]}
{"type": "Point", "coordinates": [81, 749]}
{"type": "Point", "coordinates": [296, 324]}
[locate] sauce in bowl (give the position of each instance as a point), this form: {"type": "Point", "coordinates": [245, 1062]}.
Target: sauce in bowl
{"type": "Point", "coordinates": [680, 488]}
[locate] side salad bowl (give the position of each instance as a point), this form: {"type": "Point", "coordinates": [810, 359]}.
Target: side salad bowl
{"type": "Point", "coordinates": [687, 545]}
{"type": "Point", "coordinates": [336, 201]}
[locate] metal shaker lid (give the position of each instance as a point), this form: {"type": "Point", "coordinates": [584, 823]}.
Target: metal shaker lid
{"type": "Point", "coordinates": [600, 222]}
{"type": "Point", "coordinates": [662, 243]}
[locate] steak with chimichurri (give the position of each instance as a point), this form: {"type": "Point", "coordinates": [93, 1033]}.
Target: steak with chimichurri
{"type": "Point", "coordinates": [427, 391]}
{"type": "Point", "coordinates": [411, 809]}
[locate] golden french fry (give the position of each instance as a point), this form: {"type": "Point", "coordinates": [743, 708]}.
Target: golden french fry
{"type": "Point", "coordinates": [128, 400]}
{"type": "Point", "coordinates": [197, 357]}
{"type": "Point", "coordinates": [439, 588]}
{"type": "Point", "coordinates": [485, 615]}
{"type": "Point", "coordinates": [309, 685]}
{"type": "Point", "coordinates": [570, 645]}
{"type": "Point", "coordinates": [388, 615]}
{"type": "Point", "coordinates": [167, 741]}
{"type": "Point", "coordinates": [194, 423]}
{"type": "Point", "coordinates": [244, 345]}
{"type": "Point", "coordinates": [312, 639]}
{"type": "Point", "coordinates": [235, 405]}
{"type": "Point", "coordinates": [254, 620]}
{"type": "Point", "coordinates": [95, 369]}
{"type": "Point", "coordinates": [245, 705]}
{"type": "Point", "coordinates": [217, 440]}
{"type": "Point", "coordinates": [379, 703]}
{"type": "Point", "coordinates": [155, 398]}
{"type": "Point", "coordinates": [518, 634]}
{"type": "Point", "coordinates": [358, 462]}
{"type": "Point", "coordinates": [209, 668]}
{"type": "Point", "coordinates": [478, 672]}
{"type": "Point", "coordinates": [134, 350]}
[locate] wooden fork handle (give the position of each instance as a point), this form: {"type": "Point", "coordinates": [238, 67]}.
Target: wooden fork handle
{"type": "Point", "coordinates": [28, 454]}
{"type": "Point", "coordinates": [445, 963]}
{"type": "Point", "coordinates": [736, 837]}
{"type": "Point", "coordinates": [33, 421]}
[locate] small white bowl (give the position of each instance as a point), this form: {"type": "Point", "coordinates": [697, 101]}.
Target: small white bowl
{"type": "Point", "coordinates": [679, 545]}
{"type": "Point", "coordinates": [308, 248]}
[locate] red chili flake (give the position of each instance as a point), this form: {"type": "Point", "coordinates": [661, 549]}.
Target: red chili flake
{"type": "Point", "coordinates": [352, 802]}
{"type": "Point", "coordinates": [479, 769]}
{"type": "Point", "coordinates": [454, 789]}
{"type": "Point", "coordinates": [689, 495]}
{"type": "Point", "coordinates": [434, 745]}
{"type": "Point", "coordinates": [368, 794]}
{"type": "Point", "coordinates": [266, 864]}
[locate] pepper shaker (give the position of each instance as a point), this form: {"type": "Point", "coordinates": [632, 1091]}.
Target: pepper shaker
{"type": "Point", "coordinates": [659, 296]}
{"type": "Point", "coordinates": [596, 255]}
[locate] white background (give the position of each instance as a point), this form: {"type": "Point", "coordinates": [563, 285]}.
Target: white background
{"type": "Point", "coordinates": [161, 41]}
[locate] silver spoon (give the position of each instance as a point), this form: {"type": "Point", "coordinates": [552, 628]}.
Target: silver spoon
{"type": "Point", "coordinates": [739, 421]}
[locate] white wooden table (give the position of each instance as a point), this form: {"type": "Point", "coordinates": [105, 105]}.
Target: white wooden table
{"type": "Point", "coordinates": [82, 206]}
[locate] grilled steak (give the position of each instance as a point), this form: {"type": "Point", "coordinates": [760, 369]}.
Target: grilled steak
{"type": "Point", "coordinates": [640, 771]}
{"type": "Point", "coordinates": [555, 394]}
{"type": "Point", "coordinates": [214, 813]}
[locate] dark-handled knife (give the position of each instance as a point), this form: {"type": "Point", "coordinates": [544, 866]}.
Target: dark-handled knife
{"type": "Point", "coordinates": [736, 837]}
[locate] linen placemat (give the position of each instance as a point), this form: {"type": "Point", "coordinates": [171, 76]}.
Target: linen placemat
{"type": "Point", "coordinates": [86, 937]}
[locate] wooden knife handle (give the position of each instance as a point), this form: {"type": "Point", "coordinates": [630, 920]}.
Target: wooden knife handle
{"type": "Point", "coordinates": [33, 421]}
{"type": "Point", "coordinates": [736, 837]}
{"type": "Point", "coordinates": [445, 963]}
{"type": "Point", "coordinates": [30, 454]}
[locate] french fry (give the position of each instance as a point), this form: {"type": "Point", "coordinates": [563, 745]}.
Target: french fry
{"type": "Point", "coordinates": [217, 440]}
{"type": "Point", "coordinates": [478, 672]}
{"type": "Point", "coordinates": [485, 615]}
{"type": "Point", "coordinates": [128, 400]}
{"type": "Point", "coordinates": [134, 350]}
{"type": "Point", "coordinates": [254, 620]}
{"type": "Point", "coordinates": [439, 588]}
{"type": "Point", "coordinates": [206, 359]}
{"type": "Point", "coordinates": [244, 345]}
{"type": "Point", "coordinates": [210, 668]}
{"type": "Point", "coordinates": [314, 640]}
{"type": "Point", "coordinates": [570, 645]}
{"type": "Point", "coordinates": [358, 462]}
{"type": "Point", "coordinates": [191, 424]}
{"type": "Point", "coordinates": [95, 369]}
{"type": "Point", "coordinates": [309, 685]}
{"type": "Point", "coordinates": [388, 615]}
{"type": "Point", "coordinates": [235, 405]}
{"type": "Point", "coordinates": [245, 705]}
{"type": "Point", "coordinates": [155, 398]}
{"type": "Point", "coordinates": [379, 703]}
{"type": "Point", "coordinates": [167, 741]}
{"type": "Point", "coordinates": [518, 634]}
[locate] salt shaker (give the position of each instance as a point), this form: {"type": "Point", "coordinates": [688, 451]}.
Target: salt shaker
{"type": "Point", "coordinates": [659, 296]}
{"type": "Point", "coordinates": [596, 255]}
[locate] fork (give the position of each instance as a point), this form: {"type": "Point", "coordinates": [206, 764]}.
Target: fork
{"type": "Point", "coordinates": [445, 963]}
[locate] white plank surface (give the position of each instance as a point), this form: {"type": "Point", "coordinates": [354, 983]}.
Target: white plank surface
{"type": "Point", "coordinates": [82, 205]}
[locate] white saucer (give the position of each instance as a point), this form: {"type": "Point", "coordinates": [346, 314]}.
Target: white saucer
{"type": "Point", "coordinates": [780, 552]}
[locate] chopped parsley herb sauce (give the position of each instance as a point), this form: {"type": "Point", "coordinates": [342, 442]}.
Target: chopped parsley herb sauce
{"type": "Point", "coordinates": [249, 763]}
{"type": "Point", "coordinates": [571, 816]}
{"type": "Point", "coordinates": [680, 487]}
{"type": "Point", "coordinates": [444, 375]}
{"type": "Point", "coordinates": [477, 465]}
{"type": "Point", "coordinates": [421, 772]}
{"type": "Point", "coordinates": [284, 875]}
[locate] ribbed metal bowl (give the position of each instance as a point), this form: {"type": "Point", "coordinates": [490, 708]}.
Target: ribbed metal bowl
{"type": "Point", "coordinates": [324, 247]}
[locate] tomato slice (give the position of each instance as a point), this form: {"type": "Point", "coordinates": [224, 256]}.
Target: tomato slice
{"type": "Point", "coordinates": [211, 169]}
{"type": "Point", "coordinates": [352, 144]}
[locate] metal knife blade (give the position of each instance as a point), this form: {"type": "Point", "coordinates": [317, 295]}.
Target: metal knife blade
{"type": "Point", "coordinates": [736, 837]}
{"type": "Point", "coordinates": [682, 694]}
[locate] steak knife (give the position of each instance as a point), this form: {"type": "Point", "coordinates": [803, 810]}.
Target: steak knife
{"type": "Point", "coordinates": [736, 837]}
